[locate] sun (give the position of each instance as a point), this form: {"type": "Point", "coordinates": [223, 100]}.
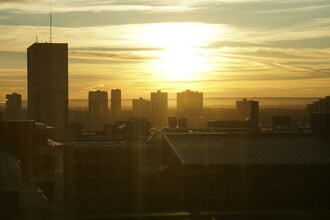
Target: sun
{"type": "Point", "coordinates": [182, 54]}
{"type": "Point", "coordinates": [180, 64]}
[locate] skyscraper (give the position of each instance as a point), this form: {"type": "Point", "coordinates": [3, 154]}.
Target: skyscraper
{"type": "Point", "coordinates": [190, 103]}
{"type": "Point", "coordinates": [115, 104]}
{"type": "Point", "coordinates": [48, 85]}
{"type": "Point", "coordinates": [98, 108]}
{"type": "Point", "coordinates": [159, 108]}
{"type": "Point", "coordinates": [13, 106]}
{"type": "Point", "coordinates": [141, 108]}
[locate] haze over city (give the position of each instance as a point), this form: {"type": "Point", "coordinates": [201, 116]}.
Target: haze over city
{"type": "Point", "coordinates": [223, 48]}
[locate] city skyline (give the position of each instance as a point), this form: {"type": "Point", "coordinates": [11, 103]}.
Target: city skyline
{"type": "Point", "coordinates": [222, 48]}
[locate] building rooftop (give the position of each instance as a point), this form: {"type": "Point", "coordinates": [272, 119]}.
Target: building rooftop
{"type": "Point", "coordinates": [231, 149]}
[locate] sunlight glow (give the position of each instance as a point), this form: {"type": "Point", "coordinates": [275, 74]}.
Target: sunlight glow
{"type": "Point", "coordinates": [181, 57]}
{"type": "Point", "coordinates": [180, 64]}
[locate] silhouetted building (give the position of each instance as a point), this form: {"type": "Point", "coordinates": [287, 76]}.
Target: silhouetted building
{"type": "Point", "coordinates": [13, 107]}
{"type": "Point", "coordinates": [229, 126]}
{"type": "Point", "coordinates": [106, 179]}
{"type": "Point", "coordinates": [269, 174]}
{"type": "Point", "coordinates": [141, 108]}
{"type": "Point", "coordinates": [320, 106]}
{"type": "Point", "coordinates": [249, 110]}
{"type": "Point", "coordinates": [159, 108]}
{"type": "Point", "coordinates": [29, 142]}
{"type": "Point", "coordinates": [139, 127]}
{"type": "Point", "coordinates": [10, 185]}
{"type": "Point", "coordinates": [115, 104]}
{"type": "Point", "coordinates": [182, 122]}
{"type": "Point", "coordinates": [98, 108]}
{"type": "Point", "coordinates": [282, 123]}
{"type": "Point", "coordinates": [48, 85]}
{"type": "Point", "coordinates": [320, 123]}
{"type": "Point", "coordinates": [172, 122]}
{"type": "Point", "coordinates": [190, 103]}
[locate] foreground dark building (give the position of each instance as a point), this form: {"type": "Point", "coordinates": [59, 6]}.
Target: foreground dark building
{"type": "Point", "coordinates": [284, 175]}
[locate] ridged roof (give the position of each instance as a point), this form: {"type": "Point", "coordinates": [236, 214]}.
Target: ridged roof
{"type": "Point", "coordinates": [208, 149]}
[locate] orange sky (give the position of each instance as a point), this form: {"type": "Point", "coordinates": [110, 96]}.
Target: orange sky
{"type": "Point", "coordinates": [223, 48]}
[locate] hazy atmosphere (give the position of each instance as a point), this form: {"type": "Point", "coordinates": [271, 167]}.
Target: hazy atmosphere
{"type": "Point", "coordinates": [222, 48]}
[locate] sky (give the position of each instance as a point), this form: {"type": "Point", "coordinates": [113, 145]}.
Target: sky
{"type": "Point", "coordinates": [224, 48]}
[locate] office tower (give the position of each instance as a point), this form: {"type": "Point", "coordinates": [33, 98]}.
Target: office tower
{"type": "Point", "coordinates": [249, 109]}
{"type": "Point", "coordinates": [13, 106]}
{"type": "Point", "coordinates": [190, 103]}
{"type": "Point", "coordinates": [159, 108]}
{"type": "Point", "coordinates": [98, 108]}
{"type": "Point", "coordinates": [48, 85]}
{"type": "Point", "coordinates": [115, 104]}
{"type": "Point", "coordinates": [141, 108]}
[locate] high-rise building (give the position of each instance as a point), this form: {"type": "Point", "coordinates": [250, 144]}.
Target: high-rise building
{"type": "Point", "coordinates": [249, 110]}
{"type": "Point", "coordinates": [13, 106]}
{"type": "Point", "coordinates": [98, 108]}
{"type": "Point", "coordinates": [190, 103]}
{"type": "Point", "coordinates": [141, 108]}
{"type": "Point", "coordinates": [48, 85]}
{"type": "Point", "coordinates": [159, 108]}
{"type": "Point", "coordinates": [115, 104]}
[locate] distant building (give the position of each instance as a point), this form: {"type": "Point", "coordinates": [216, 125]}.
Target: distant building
{"type": "Point", "coordinates": [242, 126]}
{"type": "Point", "coordinates": [172, 122]}
{"type": "Point", "coordinates": [141, 108]}
{"type": "Point", "coordinates": [48, 85]}
{"type": "Point", "coordinates": [159, 108]}
{"type": "Point", "coordinates": [320, 123]}
{"type": "Point", "coordinates": [282, 123]}
{"type": "Point", "coordinates": [98, 108]}
{"type": "Point", "coordinates": [115, 104]}
{"type": "Point", "coordinates": [190, 103]}
{"type": "Point", "coordinates": [320, 106]}
{"type": "Point", "coordinates": [249, 110]}
{"type": "Point", "coordinates": [13, 107]}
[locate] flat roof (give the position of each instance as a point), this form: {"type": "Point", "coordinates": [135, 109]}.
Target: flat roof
{"type": "Point", "coordinates": [233, 149]}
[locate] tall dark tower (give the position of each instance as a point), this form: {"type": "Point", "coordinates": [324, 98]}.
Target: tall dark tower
{"type": "Point", "coordinates": [48, 85]}
{"type": "Point", "coordinates": [98, 108]}
{"type": "Point", "coordinates": [115, 104]}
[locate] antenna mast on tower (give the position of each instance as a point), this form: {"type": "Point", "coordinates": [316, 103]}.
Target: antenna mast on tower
{"type": "Point", "coordinates": [50, 22]}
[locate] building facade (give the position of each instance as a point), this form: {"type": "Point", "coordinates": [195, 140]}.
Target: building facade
{"type": "Point", "coordinates": [190, 103]}
{"type": "Point", "coordinates": [140, 108]}
{"type": "Point", "coordinates": [48, 85]}
{"type": "Point", "coordinates": [13, 106]}
{"type": "Point", "coordinates": [98, 108]}
{"type": "Point", "coordinates": [115, 104]}
{"type": "Point", "coordinates": [159, 108]}
{"type": "Point", "coordinates": [249, 110]}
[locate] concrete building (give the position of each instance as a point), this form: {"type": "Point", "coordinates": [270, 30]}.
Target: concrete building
{"type": "Point", "coordinates": [249, 110]}
{"type": "Point", "coordinates": [115, 104]}
{"type": "Point", "coordinates": [140, 108]}
{"type": "Point", "coordinates": [13, 107]}
{"type": "Point", "coordinates": [48, 85]}
{"type": "Point", "coordinates": [98, 108]}
{"type": "Point", "coordinates": [190, 103]}
{"type": "Point", "coordinates": [159, 108]}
